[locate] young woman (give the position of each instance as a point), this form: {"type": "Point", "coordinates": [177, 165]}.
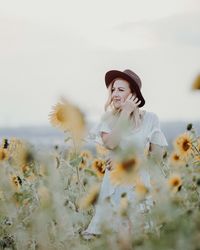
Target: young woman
{"type": "Point", "coordinates": [126, 125]}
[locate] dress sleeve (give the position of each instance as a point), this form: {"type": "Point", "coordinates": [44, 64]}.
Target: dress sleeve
{"type": "Point", "coordinates": [156, 136]}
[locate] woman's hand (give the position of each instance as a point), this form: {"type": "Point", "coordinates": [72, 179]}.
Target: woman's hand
{"type": "Point", "coordinates": [109, 164]}
{"type": "Point", "coordinates": [131, 104]}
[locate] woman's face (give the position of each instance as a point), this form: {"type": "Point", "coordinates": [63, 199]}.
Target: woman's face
{"type": "Point", "coordinates": [119, 92]}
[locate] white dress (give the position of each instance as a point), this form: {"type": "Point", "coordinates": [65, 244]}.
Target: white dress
{"type": "Point", "coordinates": [149, 131]}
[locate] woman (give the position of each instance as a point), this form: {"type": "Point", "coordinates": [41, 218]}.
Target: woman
{"type": "Point", "coordinates": [125, 126]}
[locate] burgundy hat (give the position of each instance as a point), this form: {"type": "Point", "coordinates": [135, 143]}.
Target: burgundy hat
{"type": "Point", "coordinates": [129, 76]}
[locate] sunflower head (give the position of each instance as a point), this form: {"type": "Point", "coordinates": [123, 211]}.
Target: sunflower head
{"type": "Point", "coordinates": [125, 171]}
{"type": "Point", "coordinates": [5, 143]}
{"type": "Point", "coordinates": [86, 157]}
{"type": "Point", "coordinates": [91, 198]}
{"type": "Point", "coordinates": [16, 181]}
{"type": "Point", "coordinates": [129, 165]}
{"type": "Point", "coordinates": [175, 182]}
{"type": "Point", "coordinates": [196, 83]}
{"type": "Point", "coordinates": [3, 154]}
{"type": "Point", "coordinates": [99, 166]}
{"type": "Point", "coordinates": [184, 146]}
{"type": "Point", "coordinates": [68, 117]}
{"type": "Point", "coordinates": [176, 160]}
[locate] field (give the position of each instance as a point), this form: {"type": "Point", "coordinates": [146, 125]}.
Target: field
{"type": "Point", "coordinates": [48, 196]}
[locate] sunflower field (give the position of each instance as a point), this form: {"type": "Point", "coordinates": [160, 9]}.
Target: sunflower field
{"type": "Point", "coordinates": [48, 197]}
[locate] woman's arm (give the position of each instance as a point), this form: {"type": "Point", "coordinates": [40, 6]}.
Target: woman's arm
{"type": "Point", "coordinates": [112, 139]}
{"type": "Point", "coordinates": [156, 152]}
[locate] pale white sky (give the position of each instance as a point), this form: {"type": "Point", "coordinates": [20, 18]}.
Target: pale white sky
{"type": "Point", "coordinates": [52, 48]}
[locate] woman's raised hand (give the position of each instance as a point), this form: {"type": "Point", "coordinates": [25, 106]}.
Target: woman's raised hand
{"type": "Point", "coordinates": [131, 103]}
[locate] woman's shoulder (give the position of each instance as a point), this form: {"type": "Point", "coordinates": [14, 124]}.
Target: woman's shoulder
{"type": "Point", "coordinates": [151, 115]}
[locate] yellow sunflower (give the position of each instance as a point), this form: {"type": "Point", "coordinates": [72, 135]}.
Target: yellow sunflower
{"type": "Point", "coordinates": [66, 116]}
{"type": "Point", "coordinates": [125, 172]}
{"type": "Point", "coordinates": [20, 152]}
{"type": "Point", "coordinates": [86, 157]}
{"type": "Point", "coordinates": [91, 198]}
{"type": "Point", "coordinates": [183, 145]}
{"type": "Point", "coordinates": [196, 83]}
{"type": "Point", "coordinates": [3, 154]}
{"type": "Point", "coordinates": [16, 182]}
{"type": "Point", "coordinates": [176, 160]}
{"type": "Point", "coordinates": [175, 182]}
{"type": "Point", "coordinates": [99, 167]}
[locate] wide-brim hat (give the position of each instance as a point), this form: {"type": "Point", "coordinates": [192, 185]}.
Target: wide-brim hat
{"type": "Point", "coordinates": [130, 77]}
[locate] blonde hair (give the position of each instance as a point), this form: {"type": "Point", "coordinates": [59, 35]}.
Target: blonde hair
{"type": "Point", "coordinates": [116, 112]}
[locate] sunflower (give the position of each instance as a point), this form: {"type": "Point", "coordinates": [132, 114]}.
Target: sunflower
{"type": "Point", "coordinates": [68, 117]}
{"type": "Point", "coordinates": [175, 182]}
{"type": "Point", "coordinates": [124, 172]}
{"type": "Point", "coordinates": [196, 83]}
{"type": "Point", "coordinates": [24, 157]}
{"type": "Point", "coordinates": [20, 152]}
{"type": "Point", "coordinates": [99, 167]}
{"type": "Point", "coordinates": [86, 156]}
{"type": "Point", "coordinates": [183, 145]}
{"type": "Point", "coordinates": [176, 160]}
{"type": "Point", "coordinates": [16, 181]}
{"type": "Point", "coordinates": [4, 143]}
{"type": "Point", "coordinates": [3, 154]}
{"type": "Point", "coordinates": [91, 198]}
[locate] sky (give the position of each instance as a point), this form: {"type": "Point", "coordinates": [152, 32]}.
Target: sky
{"type": "Point", "coordinates": [59, 48]}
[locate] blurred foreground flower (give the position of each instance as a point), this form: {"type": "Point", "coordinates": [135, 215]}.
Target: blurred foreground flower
{"type": "Point", "coordinates": [196, 83]}
{"type": "Point", "coordinates": [20, 152]}
{"type": "Point", "coordinates": [66, 116]}
{"type": "Point", "coordinates": [91, 198]}
{"type": "Point", "coordinates": [125, 172]}
{"type": "Point", "coordinates": [175, 182]}
{"type": "Point", "coordinates": [3, 154]}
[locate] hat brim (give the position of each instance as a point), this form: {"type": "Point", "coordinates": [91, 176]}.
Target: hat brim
{"type": "Point", "coordinates": [113, 74]}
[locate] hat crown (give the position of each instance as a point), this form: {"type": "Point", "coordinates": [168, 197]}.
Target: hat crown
{"type": "Point", "coordinates": [134, 77]}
